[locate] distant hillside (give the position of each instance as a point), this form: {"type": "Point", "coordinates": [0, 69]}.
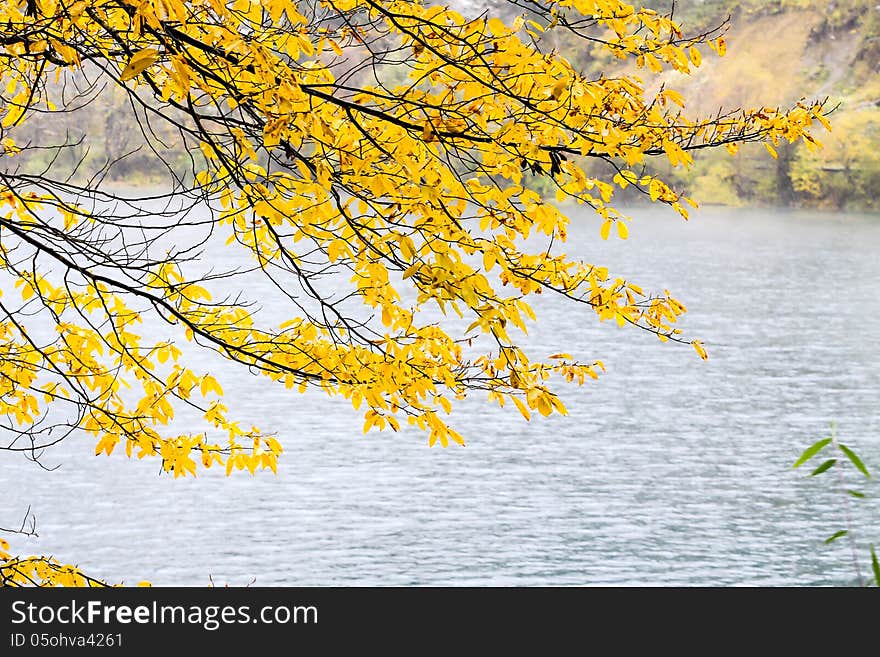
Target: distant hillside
{"type": "Point", "coordinates": [779, 51]}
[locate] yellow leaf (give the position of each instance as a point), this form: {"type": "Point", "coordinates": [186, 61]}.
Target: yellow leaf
{"type": "Point", "coordinates": [622, 230]}
{"type": "Point", "coordinates": [558, 89]}
{"type": "Point", "coordinates": [771, 150]}
{"type": "Point", "coordinates": [722, 46]}
{"type": "Point", "coordinates": [497, 27]}
{"type": "Point", "coordinates": [696, 57]}
{"type": "Point", "coordinates": [209, 384]}
{"type": "Point", "coordinates": [139, 63]}
{"type": "Point", "coordinates": [605, 230]}
{"type": "Point", "coordinates": [14, 112]}
{"type": "Point", "coordinates": [407, 248]}
{"type": "Point", "coordinates": [544, 405]}
{"type": "Point", "coordinates": [653, 63]}
{"type": "Point", "coordinates": [106, 444]}
{"type": "Point", "coordinates": [488, 260]}
{"type": "Point", "coordinates": [675, 97]}
{"type": "Point", "coordinates": [77, 9]}
{"type": "Point", "coordinates": [700, 350]}
{"type": "Point", "coordinates": [825, 122]}
{"type": "Point", "coordinates": [522, 408]}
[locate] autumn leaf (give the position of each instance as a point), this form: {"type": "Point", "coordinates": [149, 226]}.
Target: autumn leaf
{"type": "Point", "coordinates": [139, 63]}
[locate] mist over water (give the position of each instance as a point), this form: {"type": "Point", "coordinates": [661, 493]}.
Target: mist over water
{"type": "Point", "coordinates": [667, 471]}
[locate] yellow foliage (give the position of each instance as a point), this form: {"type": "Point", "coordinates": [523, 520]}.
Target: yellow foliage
{"type": "Point", "coordinates": [394, 184]}
{"type": "Point", "coordinates": [40, 571]}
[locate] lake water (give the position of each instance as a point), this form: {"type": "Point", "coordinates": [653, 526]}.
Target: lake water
{"type": "Point", "coordinates": [668, 470]}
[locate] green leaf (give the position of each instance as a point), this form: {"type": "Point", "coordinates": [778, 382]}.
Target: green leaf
{"type": "Point", "coordinates": [856, 461]}
{"type": "Point", "coordinates": [875, 566]}
{"type": "Point", "coordinates": [856, 493]}
{"type": "Point", "coordinates": [822, 468]}
{"type": "Point", "coordinates": [811, 451]}
{"type": "Point", "coordinates": [835, 536]}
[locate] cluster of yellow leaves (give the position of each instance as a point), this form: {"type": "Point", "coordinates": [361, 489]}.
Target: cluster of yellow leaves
{"type": "Point", "coordinates": [39, 571]}
{"type": "Point", "coordinates": [42, 571]}
{"type": "Point", "coordinates": [126, 391]}
{"type": "Point", "coordinates": [372, 185]}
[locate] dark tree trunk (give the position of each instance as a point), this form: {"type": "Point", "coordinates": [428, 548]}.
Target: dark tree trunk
{"type": "Point", "coordinates": [784, 187]}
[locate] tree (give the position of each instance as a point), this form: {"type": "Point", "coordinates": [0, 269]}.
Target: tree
{"type": "Point", "coordinates": [383, 146]}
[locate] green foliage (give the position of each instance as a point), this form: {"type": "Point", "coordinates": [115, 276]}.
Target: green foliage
{"type": "Point", "coordinates": [832, 444]}
{"type": "Point", "coordinates": [811, 451]}
{"type": "Point", "coordinates": [846, 172]}
{"type": "Point", "coordinates": [717, 181]}
{"type": "Point", "coordinates": [835, 536]}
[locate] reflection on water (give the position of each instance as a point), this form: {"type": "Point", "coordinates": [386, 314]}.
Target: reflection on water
{"type": "Point", "coordinates": [668, 471]}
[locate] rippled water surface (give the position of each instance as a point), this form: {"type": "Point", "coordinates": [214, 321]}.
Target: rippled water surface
{"type": "Point", "coordinates": [668, 470]}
